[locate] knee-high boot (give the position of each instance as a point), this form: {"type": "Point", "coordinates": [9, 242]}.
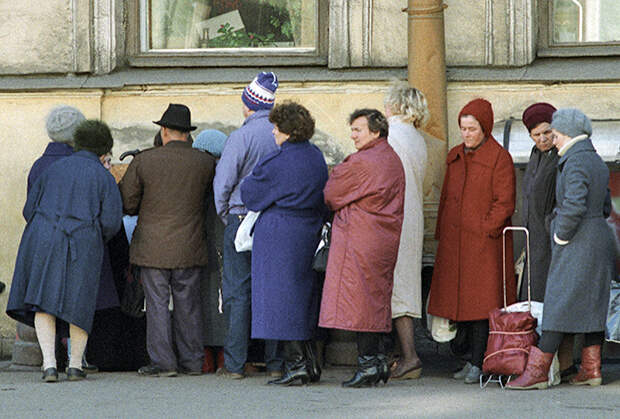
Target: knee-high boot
{"type": "Point", "coordinates": [295, 364]}
{"type": "Point", "coordinates": [536, 374]}
{"type": "Point", "coordinates": [314, 367]}
{"type": "Point", "coordinates": [590, 369]}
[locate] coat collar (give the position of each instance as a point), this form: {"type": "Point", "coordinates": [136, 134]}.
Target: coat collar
{"type": "Point", "coordinates": [58, 149]}
{"type": "Point", "coordinates": [372, 144]}
{"type": "Point", "coordinates": [262, 113]}
{"type": "Point", "coordinates": [87, 155]}
{"type": "Point", "coordinates": [571, 143]}
{"type": "Point", "coordinates": [549, 152]}
{"type": "Point", "coordinates": [581, 146]}
{"type": "Point", "coordinates": [178, 144]}
{"type": "Point", "coordinates": [485, 155]}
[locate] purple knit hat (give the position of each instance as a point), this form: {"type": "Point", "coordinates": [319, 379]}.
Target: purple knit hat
{"type": "Point", "coordinates": [261, 93]}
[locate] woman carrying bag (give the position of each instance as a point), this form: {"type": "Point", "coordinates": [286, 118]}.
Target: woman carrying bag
{"type": "Point", "coordinates": [287, 187]}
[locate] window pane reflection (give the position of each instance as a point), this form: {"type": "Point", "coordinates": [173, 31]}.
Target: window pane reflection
{"type": "Point", "coordinates": [579, 21]}
{"type": "Point", "coordinates": [190, 24]}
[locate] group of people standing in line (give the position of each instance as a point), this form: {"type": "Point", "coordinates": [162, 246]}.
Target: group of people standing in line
{"type": "Point", "coordinates": [565, 203]}
{"type": "Point", "coordinates": [180, 190]}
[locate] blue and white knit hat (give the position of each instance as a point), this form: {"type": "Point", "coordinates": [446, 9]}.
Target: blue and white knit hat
{"type": "Point", "coordinates": [261, 93]}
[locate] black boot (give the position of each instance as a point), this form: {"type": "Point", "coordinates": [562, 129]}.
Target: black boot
{"type": "Point", "coordinates": [384, 369]}
{"type": "Point", "coordinates": [368, 372]}
{"type": "Point", "coordinates": [314, 367]}
{"type": "Point", "coordinates": [295, 364]}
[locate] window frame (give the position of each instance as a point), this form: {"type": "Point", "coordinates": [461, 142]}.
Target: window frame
{"type": "Point", "coordinates": [215, 57]}
{"type": "Point", "coordinates": [546, 48]}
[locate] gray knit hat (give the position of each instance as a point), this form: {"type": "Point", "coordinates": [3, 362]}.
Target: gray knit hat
{"type": "Point", "coordinates": [62, 122]}
{"type": "Point", "coordinates": [571, 122]}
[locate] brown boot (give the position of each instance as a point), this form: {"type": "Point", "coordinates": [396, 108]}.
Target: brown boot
{"type": "Point", "coordinates": [590, 369]}
{"type": "Point", "coordinates": [536, 374]}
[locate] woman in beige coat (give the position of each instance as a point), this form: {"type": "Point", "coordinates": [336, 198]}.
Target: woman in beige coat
{"type": "Point", "coordinates": [407, 110]}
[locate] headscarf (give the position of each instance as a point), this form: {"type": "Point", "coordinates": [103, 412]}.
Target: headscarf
{"type": "Point", "coordinates": [483, 112]}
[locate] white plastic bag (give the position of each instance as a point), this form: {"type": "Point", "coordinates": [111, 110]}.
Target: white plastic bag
{"type": "Point", "coordinates": [245, 232]}
{"type": "Point", "coordinates": [442, 330]}
{"type": "Point", "coordinates": [537, 312]}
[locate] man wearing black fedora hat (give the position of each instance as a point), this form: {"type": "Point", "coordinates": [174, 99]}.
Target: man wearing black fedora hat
{"type": "Point", "coordinates": [166, 186]}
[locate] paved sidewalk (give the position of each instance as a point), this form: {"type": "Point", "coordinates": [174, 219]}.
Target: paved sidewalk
{"type": "Point", "coordinates": [435, 395]}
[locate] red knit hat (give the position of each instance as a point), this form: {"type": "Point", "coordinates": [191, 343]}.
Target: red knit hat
{"type": "Point", "coordinates": [483, 112]}
{"type": "Point", "coordinates": [537, 113]}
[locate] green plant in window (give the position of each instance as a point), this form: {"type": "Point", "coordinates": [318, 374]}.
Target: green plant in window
{"type": "Point", "coordinates": [230, 38]}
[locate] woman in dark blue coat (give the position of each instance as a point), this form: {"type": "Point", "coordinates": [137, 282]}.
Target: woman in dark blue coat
{"type": "Point", "coordinates": [287, 186]}
{"type": "Point", "coordinates": [71, 209]}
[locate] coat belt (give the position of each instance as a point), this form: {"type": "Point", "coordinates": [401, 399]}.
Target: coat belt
{"type": "Point", "coordinates": [59, 222]}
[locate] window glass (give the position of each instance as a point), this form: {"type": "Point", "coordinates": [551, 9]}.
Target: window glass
{"type": "Point", "coordinates": [208, 24]}
{"type": "Point", "coordinates": [582, 21]}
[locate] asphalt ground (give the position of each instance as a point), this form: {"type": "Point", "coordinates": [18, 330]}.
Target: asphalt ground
{"type": "Point", "coordinates": [436, 395]}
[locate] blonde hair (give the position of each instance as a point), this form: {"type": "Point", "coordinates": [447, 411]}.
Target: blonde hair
{"type": "Point", "coordinates": [409, 103]}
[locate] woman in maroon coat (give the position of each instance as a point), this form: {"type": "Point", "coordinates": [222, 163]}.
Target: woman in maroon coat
{"type": "Point", "coordinates": [366, 192]}
{"type": "Point", "coordinates": [477, 201]}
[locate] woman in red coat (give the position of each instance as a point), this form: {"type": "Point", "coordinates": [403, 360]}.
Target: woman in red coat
{"type": "Point", "coordinates": [477, 201]}
{"type": "Point", "coordinates": [366, 191]}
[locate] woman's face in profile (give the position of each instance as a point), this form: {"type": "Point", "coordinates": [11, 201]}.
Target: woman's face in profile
{"type": "Point", "coordinates": [471, 131]}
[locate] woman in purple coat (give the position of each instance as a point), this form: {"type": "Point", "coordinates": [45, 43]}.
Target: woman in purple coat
{"type": "Point", "coordinates": [287, 187]}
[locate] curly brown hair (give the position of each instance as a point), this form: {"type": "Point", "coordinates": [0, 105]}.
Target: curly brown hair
{"type": "Point", "coordinates": [293, 119]}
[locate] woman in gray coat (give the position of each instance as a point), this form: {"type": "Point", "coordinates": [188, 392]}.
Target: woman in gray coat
{"type": "Point", "coordinates": [582, 255]}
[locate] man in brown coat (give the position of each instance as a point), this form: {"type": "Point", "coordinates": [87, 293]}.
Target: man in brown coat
{"type": "Point", "coordinates": [166, 186]}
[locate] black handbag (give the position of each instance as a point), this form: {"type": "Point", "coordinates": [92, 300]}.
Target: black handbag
{"type": "Point", "coordinates": [319, 263]}
{"type": "Point", "coordinates": [132, 300]}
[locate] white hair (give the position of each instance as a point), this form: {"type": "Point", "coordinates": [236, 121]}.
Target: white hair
{"type": "Point", "coordinates": [409, 103]}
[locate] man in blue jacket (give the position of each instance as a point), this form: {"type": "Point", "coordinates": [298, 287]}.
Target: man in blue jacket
{"type": "Point", "coordinates": [244, 148]}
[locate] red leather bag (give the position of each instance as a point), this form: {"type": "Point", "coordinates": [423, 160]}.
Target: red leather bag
{"type": "Point", "coordinates": [511, 334]}
{"type": "Point", "coordinates": [510, 337]}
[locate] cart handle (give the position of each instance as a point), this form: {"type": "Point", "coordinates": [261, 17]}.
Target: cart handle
{"type": "Point", "coordinates": [527, 262]}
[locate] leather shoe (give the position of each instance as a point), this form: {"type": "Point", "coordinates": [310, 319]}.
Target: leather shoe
{"type": "Point", "coordinates": [50, 375]}
{"type": "Point", "coordinates": [75, 374]}
{"type": "Point", "coordinates": [191, 372]}
{"type": "Point", "coordinates": [89, 368]}
{"type": "Point", "coordinates": [462, 373]}
{"type": "Point", "coordinates": [154, 371]}
{"type": "Point", "coordinates": [473, 375]}
{"type": "Point", "coordinates": [223, 372]}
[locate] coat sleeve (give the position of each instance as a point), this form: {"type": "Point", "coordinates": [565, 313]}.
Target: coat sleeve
{"type": "Point", "coordinates": [574, 205]}
{"type": "Point", "coordinates": [261, 188]}
{"type": "Point", "coordinates": [32, 199]}
{"type": "Point", "coordinates": [227, 171]}
{"type": "Point", "coordinates": [111, 209]}
{"type": "Point", "coordinates": [607, 204]}
{"type": "Point", "coordinates": [346, 184]}
{"type": "Point", "coordinates": [131, 188]}
{"type": "Point", "coordinates": [503, 196]}
{"type": "Point", "coordinates": [442, 203]}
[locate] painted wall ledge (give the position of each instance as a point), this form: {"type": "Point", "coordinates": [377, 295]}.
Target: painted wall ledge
{"type": "Point", "coordinates": [546, 70]}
